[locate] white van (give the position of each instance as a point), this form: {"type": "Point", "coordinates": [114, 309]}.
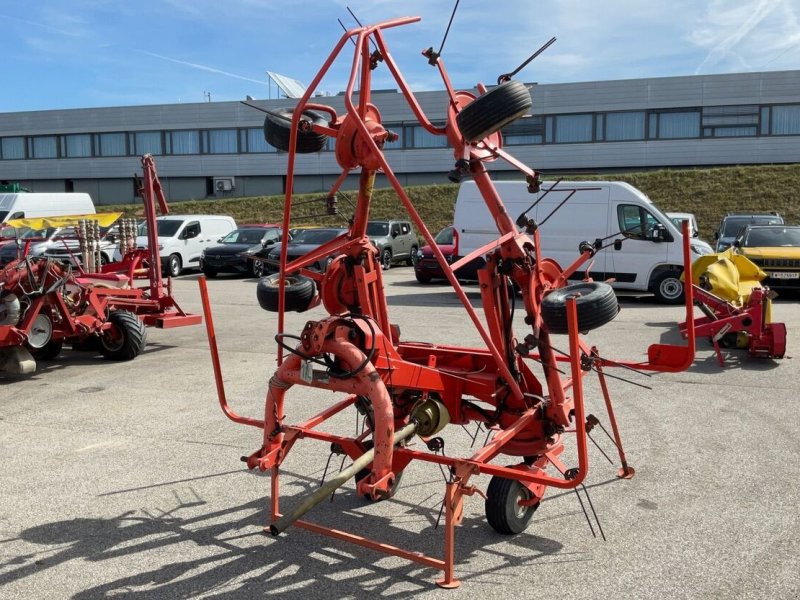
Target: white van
{"type": "Point", "coordinates": [182, 238]}
{"type": "Point", "coordinates": [34, 204]}
{"type": "Point", "coordinates": [597, 209]}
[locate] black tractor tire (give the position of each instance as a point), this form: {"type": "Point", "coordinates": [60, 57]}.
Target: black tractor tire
{"type": "Point", "coordinates": [365, 473]}
{"type": "Point", "coordinates": [412, 259]}
{"type": "Point", "coordinates": [278, 128]}
{"type": "Point", "coordinates": [47, 352]}
{"type": "Point", "coordinates": [128, 338]}
{"type": "Point", "coordinates": [494, 110]}
{"type": "Point", "coordinates": [502, 508]}
{"type": "Point", "coordinates": [209, 272]}
{"type": "Point", "coordinates": [596, 304]}
{"type": "Point", "coordinates": [668, 288]}
{"type": "Point", "coordinates": [386, 259]}
{"type": "Point", "coordinates": [299, 292]}
{"type": "Point", "coordinates": [173, 266]}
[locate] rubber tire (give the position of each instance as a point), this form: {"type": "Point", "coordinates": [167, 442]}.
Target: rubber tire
{"type": "Point", "coordinates": [47, 352]}
{"type": "Point", "coordinates": [173, 266]}
{"type": "Point", "coordinates": [277, 131]}
{"type": "Point", "coordinates": [493, 110]}
{"type": "Point", "coordinates": [501, 508]}
{"type": "Point", "coordinates": [422, 278]}
{"type": "Point", "coordinates": [365, 473]}
{"type": "Point", "coordinates": [299, 292]}
{"type": "Point", "coordinates": [412, 259]}
{"type": "Point", "coordinates": [134, 336]}
{"type": "Point", "coordinates": [596, 305]}
{"type": "Point", "coordinates": [386, 259]}
{"type": "Point", "coordinates": [258, 269]}
{"type": "Point", "coordinates": [210, 273]}
{"type": "Point", "coordinates": [661, 280]}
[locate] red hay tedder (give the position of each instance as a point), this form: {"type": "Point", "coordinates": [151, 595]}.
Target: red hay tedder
{"type": "Point", "coordinates": [44, 303]}
{"type": "Point", "coordinates": [416, 388]}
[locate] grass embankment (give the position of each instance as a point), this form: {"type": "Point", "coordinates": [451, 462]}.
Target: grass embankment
{"type": "Point", "coordinates": [708, 193]}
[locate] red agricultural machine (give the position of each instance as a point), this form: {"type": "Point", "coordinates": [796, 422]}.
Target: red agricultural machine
{"type": "Point", "coordinates": [407, 388]}
{"type": "Point", "coordinates": [44, 303]}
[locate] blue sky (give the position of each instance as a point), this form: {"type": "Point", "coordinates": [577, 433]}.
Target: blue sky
{"type": "Point", "coordinates": [86, 53]}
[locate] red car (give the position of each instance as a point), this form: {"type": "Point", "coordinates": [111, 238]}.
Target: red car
{"type": "Point", "coordinates": [427, 267]}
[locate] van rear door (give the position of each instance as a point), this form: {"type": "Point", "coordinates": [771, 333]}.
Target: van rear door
{"type": "Point", "coordinates": [583, 217]}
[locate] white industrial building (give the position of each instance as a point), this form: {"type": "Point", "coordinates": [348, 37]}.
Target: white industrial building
{"type": "Point", "coordinates": [217, 149]}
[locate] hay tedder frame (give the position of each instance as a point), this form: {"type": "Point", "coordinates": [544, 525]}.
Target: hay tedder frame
{"type": "Point", "coordinates": [407, 388]}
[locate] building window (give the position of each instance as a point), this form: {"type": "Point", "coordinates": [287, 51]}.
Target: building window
{"type": "Point", "coordinates": [786, 120]}
{"type": "Point", "coordinates": [44, 147]}
{"type": "Point", "coordinates": [12, 148]}
{"type": "Point", "coordinates": [184, 142]}
{"type": "Point", "coordinates": [573, 128]}
{"type": "Point", "coordinates": [111, 144]}
{"type": "Point", "coordinates": [256, 141]}
{"type": "Point", "coordinates": [623, 126]}
{"type": "Point", "coordinates": [527, 130]}
{"type": "Point", "coordinates": [398, 143]}
{"type": "Point", "coordinates": [222, 141]}
{"type": "Point", "coordinates": [425, 139]}
{"type": "Point", "coordinates": [764, 120]}
{"type": "Point", "coordinates": [672, 125]}
{"type": "Point", "coordinates": [730, 121]}
{"type": "Point", "coordinates": [148, 142]}
{"type": "Point", "coordinates": [78, 146]}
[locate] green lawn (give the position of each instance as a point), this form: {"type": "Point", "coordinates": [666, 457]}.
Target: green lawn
{"type": "Point", "coordinates": [708, 193]}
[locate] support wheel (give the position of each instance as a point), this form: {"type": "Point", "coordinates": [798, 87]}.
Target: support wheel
{"type": "Point", "coordinates": [299, 292]}
{"type": "Point", "coordinates": [386, 259]}
{"type": "Point", "coordinates": [493, 110]}
{"type": "Point", "coordinates": [595, 301]}
{"type": "Point", "coordinates": [412, 259]}
{"type": "Point", "coordinates": [173, 266]}
{"type": "Point", "coordinates": [278, 128]}
{"type": "Point", "coordinates": [668, 287]}
{"type": "Point", "coordinates": [503, 511]}
{"type": "Point", "coordinates": [47, 352]}
{"type": "Point", "coordinates": [126, 339]}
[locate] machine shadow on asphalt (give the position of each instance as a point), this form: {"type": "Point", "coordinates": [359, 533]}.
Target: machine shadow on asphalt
{"type": "Point", "coordinates": [266, 566]}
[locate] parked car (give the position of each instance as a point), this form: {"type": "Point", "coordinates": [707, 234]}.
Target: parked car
{"type": "Point", "coordinates": [53, 242]}
{"type": "Point", "coordinates": [303, 242]}
{"type": "Point", "coordinates": [182, 238]}
{"type": "Point", "coordinates": [69, 250]}
{"type": "Point", "coordinates": [396, 241]}
{"type": "Point", "coordinates": [679, 217]}
{"type": "Point", "coordinates": [732, 223]}
{"type": "Point", "coordinates": [775, 249]}
{"type": "Point", "coordinates": [235, 251]}
{"type": "Point", "coordinates": [427, 268]}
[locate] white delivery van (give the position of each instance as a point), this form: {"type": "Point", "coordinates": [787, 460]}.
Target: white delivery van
{"type": "Point", "coordinates": [182, 239]}
{"type": "Point", "coordinates": [651, 261]}
{"type": "Point", "coordinates": [29, 205]}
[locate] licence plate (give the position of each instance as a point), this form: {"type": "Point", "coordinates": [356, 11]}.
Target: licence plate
{"type": "Point", "coordinates": [785, 275]}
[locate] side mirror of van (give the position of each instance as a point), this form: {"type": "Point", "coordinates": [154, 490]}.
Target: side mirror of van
{"type": "Point", "coordinates": [658, 233]}
{"type": "Point", "coordinates": [716, 235]}
{"type": "Point", "coordinates": [736, 244]}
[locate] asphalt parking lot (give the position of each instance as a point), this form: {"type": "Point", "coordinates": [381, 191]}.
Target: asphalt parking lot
{"type": "Point", "coordinates": [124, 479]}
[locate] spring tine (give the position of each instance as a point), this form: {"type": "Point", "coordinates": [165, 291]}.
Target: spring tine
{"type": "Point", "coordinates": [325, 472]}
{"type": "Point", "coordinates": [613, 441]}
{"type": "Point", "coordinates": [341, 467]}
{"type": "Point", "coordinates": [589, 500]}
{"type": "Point", "coordinates": [585, 514]}
{"type": "Point", "coordinates": [478, 429]}
{"type": "Point", "coordinates": [599, 448]}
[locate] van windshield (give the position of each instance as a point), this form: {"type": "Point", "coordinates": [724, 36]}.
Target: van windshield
{"type": "Point", "coordinates": [165, 228]}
